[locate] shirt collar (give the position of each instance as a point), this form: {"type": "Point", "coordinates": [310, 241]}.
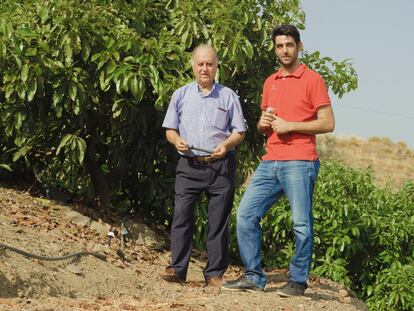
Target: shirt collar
{"type": "Point", "coordinates": [296, 74]}
{"type": "Point", "coordinates": [199, 89]}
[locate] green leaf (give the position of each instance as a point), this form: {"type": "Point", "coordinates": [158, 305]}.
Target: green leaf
{"type": "Point", "coordinates": [134, 87]}
{"type": "Point", "coordinates": [6, 167]}
{"type": "Point", "coordinates": [7, 30]}
{"type": "Point", "coordinates": [81, 147]}
{"type": "Point", "coordinates": [95, 57]}
{"type": "Point", "coordinates": [9, 90]}
{"type": "Point", "coordinates": [117, 108]}
{"type": "Point", "coordinates": [26, 33]}
{"type": "Point", "coordinates": [73, 90]}
{"type": "Point", "coordinates": [44, 13]}
{"type": "Point", "coordinates": [116, 55]}
{"type": "Point", "coordinates": [31, 52]}
{"type": "Point", "coordinates": [31, 89]}
{"type": "Point", "coordinates": [68, 53]}
{"type": "Point", "coordinates": [86, 50]}
{"type": "Point", "coordinates": [76, 107]}
{"type": "Point", "coordinates": [8, 77]}
{"type": "Point", "coordinates": [20, 153]}
{"type": "Point", "coordinates": [57, 96]}
{"type": "Point", "coordinates": [205, 32]}
{"type": "Point", "coordinates": [125, 82]}
{"type": "Point", "coordinates": [63, 142]}
{"type": "Point", "coordinates": [81, 93]}
{"type": "Point", "coordinates": [110, 67]}
{"type": "Point", "coordinates": [25, 72]}
{"type": "Point", "coordinates": [21, 91]}
{"type": "Point", "coordinates": [248, 48]}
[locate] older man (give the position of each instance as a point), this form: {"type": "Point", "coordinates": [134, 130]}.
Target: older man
{"type": "Point", "coordinates": [204, 122]}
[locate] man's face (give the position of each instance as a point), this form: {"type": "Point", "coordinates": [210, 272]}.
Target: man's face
{"type": "Point", "coordinates": [205, 66]}
{"type": "Point", "coordinates": [287, 50]}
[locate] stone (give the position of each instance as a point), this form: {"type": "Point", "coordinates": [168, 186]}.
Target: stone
{"type": "Point", "coordinates": [77, 219]}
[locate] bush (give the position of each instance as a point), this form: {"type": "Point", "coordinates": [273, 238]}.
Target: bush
{"type": "Point", "coordinates": [393, 289]}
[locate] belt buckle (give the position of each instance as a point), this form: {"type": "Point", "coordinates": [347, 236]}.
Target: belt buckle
{"type": "Point", "coordinates": [209, 159]}
{"type": "Point", "coordinates": [205, 160]}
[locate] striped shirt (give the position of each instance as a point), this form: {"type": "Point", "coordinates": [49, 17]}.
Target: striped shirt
{"type": "Point", "coordinates": [204, 121]}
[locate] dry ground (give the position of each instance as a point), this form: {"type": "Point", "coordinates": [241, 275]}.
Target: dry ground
{"type": "Point", "coordinates": [392, 163]}
{"type": "Point", "coordinates": [46, 228]}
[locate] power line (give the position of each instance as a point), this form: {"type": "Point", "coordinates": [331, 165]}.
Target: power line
{"type": "Point", "coordinates": [377, 111]}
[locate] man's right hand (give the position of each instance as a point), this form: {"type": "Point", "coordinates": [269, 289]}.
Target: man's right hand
{"type": "Point", "coordinates": [265, 121]}
{"type": "Point", "coordinates": [175, 139]}
{"type": "Point", "coordinates": [181, 145]}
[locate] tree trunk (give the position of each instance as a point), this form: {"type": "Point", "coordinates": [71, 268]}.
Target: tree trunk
{"type": "Point", "coordinates": [100, 183]}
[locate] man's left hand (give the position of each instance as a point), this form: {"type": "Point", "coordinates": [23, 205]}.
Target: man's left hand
{"type": "Point", "coordinates": [280, 126]}
{"type": "Point", "coordinates": [220, 151]}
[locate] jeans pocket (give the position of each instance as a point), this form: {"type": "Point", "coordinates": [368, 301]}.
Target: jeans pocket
{"type": "Point", "coordinates": [313, 169]}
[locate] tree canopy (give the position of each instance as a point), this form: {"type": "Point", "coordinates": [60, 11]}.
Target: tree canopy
{"type": "Point", "coordinates": [85, 85]}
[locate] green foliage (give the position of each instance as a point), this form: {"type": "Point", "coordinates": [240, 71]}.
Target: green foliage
{"type": "Point", "coordinates": [82, 92]}
{"type": "Point", "coordinates": [393, 289]}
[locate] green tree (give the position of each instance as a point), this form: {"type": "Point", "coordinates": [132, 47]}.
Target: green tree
{"type": "Point", "coordinates": [85, 85]}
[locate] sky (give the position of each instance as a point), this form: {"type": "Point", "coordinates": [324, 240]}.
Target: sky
{"type": "Point", "coordinates": [378, 35]}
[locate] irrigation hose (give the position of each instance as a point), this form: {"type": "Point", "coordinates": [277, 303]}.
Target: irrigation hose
{"type": "Point", "coordinates": [64, 257]}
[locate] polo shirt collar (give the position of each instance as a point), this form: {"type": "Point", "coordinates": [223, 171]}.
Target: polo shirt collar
{"type": "Point", "coordinates": [296, 74]}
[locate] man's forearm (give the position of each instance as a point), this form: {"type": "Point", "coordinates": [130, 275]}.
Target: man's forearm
{"type": "Point", "coordinates": [312, 127]}
{"type": "Point", "coordinates": [234, 139]}
{"type": "Point", "coordinates": [324, 123]}
{"type": "Point", "coordinates": [172, 136]}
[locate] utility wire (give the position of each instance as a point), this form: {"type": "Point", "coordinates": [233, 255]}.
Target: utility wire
{"type": "Point", "coordinates": [377, 111]}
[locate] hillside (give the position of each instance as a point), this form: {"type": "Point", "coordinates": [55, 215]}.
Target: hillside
{"type": "Point", "coordinates": [392, 163]}
{"type": "Point", "coordinates": [127, 280]}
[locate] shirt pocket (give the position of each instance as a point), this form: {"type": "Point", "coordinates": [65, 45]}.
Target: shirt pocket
{"type": "Point", "coordinates": [218, 117]}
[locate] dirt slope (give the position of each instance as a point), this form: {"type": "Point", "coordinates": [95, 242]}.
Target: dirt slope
{"type": "Point", "coordinates": [392, 163]}
{"type": "Point", "coordinates": [46, 228]}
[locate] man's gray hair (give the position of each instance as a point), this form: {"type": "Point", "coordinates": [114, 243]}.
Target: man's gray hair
{"type": "Point", "coordinates": [203, 46]}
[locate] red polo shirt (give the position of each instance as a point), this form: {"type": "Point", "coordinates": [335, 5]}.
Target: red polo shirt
{"type": "Point", "coordinates": [295, 98]}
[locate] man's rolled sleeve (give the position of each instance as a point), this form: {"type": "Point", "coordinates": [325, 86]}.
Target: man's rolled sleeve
{"type": "Point", "coordinates": [237, 123]}
{"type": "Point", "coordinates": [171, 120]}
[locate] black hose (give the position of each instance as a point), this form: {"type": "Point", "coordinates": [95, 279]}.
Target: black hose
{"type": "Point", "coordinates": [34, 256]}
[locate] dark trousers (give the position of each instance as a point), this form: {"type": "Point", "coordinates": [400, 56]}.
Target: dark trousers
{"type": "Point", "coordinates": [217, 180]}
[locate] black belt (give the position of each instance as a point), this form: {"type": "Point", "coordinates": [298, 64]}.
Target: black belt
{"type": "Point", "coordinates": [206, 159]}
{"type": "Point", "coordinates": [209, 158]}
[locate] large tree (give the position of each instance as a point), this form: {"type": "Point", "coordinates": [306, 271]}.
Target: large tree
{"type": "Point", "coordinates": [85, 85]}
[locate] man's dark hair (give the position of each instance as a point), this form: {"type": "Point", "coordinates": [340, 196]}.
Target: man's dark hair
{"type": "Point", "coordinates": [286, 30]}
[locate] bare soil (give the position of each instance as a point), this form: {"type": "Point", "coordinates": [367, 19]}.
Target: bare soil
{"type": "Point", "coordinates": [392, 163]}
{"type": "Point", "coordinates": [127, 280]}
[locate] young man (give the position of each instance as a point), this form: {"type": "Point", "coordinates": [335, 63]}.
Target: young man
{"type": "Point", "coordinates": [208, 116]}
{"type": "Point", "coordinates": [295, 106]}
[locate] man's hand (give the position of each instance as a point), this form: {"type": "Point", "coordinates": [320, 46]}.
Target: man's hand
{"type": "Point", "coordinates": [181, 145]}
{"type": "Point", "coordinates": [265, 121]}
{"type": "Point", "coordinates": [280, 126]}
{"type": "Point", "coordinates": [220, 151]}
{"type": "Point", "coordinates": [175, 139]}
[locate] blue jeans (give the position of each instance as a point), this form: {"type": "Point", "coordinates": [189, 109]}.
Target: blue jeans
{"type": "Point", "coordinates": [271, 180]}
